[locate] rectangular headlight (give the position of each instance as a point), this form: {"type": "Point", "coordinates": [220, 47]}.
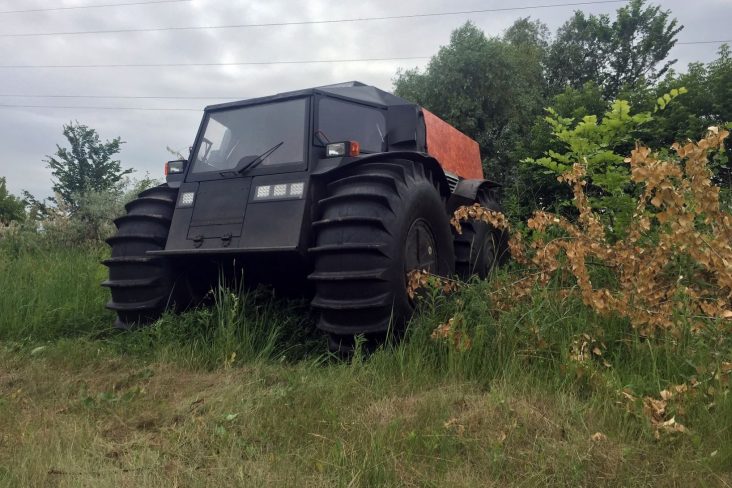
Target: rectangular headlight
{"type": "Point", "coordinates": [347, 148]}
{"type": "Point", "coordinates": [335, 150]}
{"type": "Point", "coordinates": [279, 191]}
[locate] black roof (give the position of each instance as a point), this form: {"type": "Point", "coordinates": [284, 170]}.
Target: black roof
{"type": "Point", "coordinates": [353, 90]}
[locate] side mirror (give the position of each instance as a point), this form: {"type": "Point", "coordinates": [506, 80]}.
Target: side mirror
{"type": "Point", "coordinates": [175, 167]}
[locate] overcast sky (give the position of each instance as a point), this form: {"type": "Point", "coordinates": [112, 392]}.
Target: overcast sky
{"type": "Point", "coordinates": [28, 134]}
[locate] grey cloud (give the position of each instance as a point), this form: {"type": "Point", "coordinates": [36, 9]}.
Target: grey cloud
{"type": "Point", "coordinates": [28, 134]}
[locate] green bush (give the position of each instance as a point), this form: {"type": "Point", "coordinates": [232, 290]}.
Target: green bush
{"type": "Point", "coordinates": [599, 144]}
{"type": "Point", "coordinates": [85, 225]}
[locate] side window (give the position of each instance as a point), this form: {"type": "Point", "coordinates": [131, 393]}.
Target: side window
{"type": "Point", "coordinates": [345, 121]}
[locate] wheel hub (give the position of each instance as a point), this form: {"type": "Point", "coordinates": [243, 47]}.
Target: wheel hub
{"type": "Point", "coordinates": [420, 250]}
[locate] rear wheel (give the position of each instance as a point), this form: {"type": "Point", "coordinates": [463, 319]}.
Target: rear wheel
{"type": "Point", "coordinates": [377, 222]}
{"type": "Point", "coordinates": [480, 247]}
{"type": "Point", "coordinates": [142, 285]}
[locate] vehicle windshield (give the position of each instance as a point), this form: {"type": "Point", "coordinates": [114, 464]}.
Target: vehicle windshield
{"type": "Point", "coordinates": [234, 136]}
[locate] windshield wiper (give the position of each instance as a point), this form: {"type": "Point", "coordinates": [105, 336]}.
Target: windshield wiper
{"type": "Point", "coordinates": [251, 164]}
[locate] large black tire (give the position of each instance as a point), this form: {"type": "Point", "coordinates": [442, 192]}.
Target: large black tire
{"type": "Point", "coordinates": [141, 285]}
{"type": "Point", "coordinates": [372, 224]}
{"type": "Point", "coordinates": [480, 248]}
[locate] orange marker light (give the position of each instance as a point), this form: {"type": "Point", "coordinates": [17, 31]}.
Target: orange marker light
{"type": "Point", "coordinates": [354, 148]}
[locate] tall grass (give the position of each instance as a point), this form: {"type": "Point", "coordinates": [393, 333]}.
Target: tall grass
{"type": "Point", "coordinates": [50, 293]}
{"type": "Point", "coordinates": [236, 326]}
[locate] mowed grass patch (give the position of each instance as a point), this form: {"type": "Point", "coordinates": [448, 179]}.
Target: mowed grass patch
{"type": "Point", "coordinates": [110, 420]}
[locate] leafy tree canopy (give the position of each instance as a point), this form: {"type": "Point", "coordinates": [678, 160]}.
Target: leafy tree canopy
{"type": "Point", "coordinates": [632, 48]}
{"type": "Point", "coordinates": [86, 166]}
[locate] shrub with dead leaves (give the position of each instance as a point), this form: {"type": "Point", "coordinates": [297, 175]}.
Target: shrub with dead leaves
{"type": "Point", "coordinates": [675, 265]}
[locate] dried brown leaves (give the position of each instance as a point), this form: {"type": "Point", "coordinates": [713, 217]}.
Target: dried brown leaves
{"type": "Point", "coordinates": [452, 333]}
{"type": "Point", "coordinates": [586, 348]}
{"type": "Point", "coordinates": [657, 410]}
{"type": "Point", "coordinates": [422, 280]}
{"type": "Point", "coordinates": [677, 216]}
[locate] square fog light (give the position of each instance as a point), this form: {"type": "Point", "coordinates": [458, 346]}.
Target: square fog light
{"type": "Point", "coordinates": [186, 199]}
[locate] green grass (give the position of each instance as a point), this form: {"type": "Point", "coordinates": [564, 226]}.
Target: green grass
{"type": "Point", "coordinates": [243, 393]}
{"type": "Point", "coordinates": [51, 293]}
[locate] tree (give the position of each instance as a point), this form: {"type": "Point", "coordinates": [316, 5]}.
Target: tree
{"type": "Point", "coordinates": [87, 166]}
{"type": "Point", "coordinates": [631, 49]}
{"type": "Point", "coordinates": [642, 38]}
{"type": "Point", "coordinates": [489, 88]}
{"type": "Point", "coordinates": [11, 207]}
{"type": "Point", "coordinates": [577, 55]}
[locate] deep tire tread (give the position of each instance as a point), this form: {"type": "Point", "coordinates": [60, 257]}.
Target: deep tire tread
{"type": "Point", "coordinates": [132, 283]}
{"type": "Point", "coordinates": [157, 218]}
{"type": "Point", "coordinates": [380, 178]}
{"type": "Point", "coordinates": [160, 240]}
{"type": "Point", "coordinates": [352, 197]}
{"type": "Point", "coordinates": [141, 285]}
{"type": "Point", "coordinates": [378, 301]}
{"type": "Point", "coordinates": [348, 275]}
{"type": "Point", "coordinates": [348, 248]}
{"type": "Point", "coordinates": [373, 221]}
{"type": "Point", "coordinates": [153, 200]}
{"type": "Point", "coordinates": [354, 250]}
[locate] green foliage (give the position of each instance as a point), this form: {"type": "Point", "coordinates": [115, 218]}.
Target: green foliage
{"type": "Point", "coordinates": [12, 208]}
{"type": "Point", "coordinates": [50, 292]}
{"type": "Point", "coordinates": [495, 89]}
{"type": "Point", "coordinates": [600, 145]}
{"type": "Point", "coordinates": [489, 88]}
{"type": "Point", "coordinates": [614, 54]}
{"type": "Point", "coordinates": [708, 103]}
{"type": "Point", "coordinates": [87, 166]}
{"type": "Point", "coordinates": [86, 225]}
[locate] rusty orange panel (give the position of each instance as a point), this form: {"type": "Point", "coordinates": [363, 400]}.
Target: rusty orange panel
{"type": "Point", "coordinates": [456, 152]}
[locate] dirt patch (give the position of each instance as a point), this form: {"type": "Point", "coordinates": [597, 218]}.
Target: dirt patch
{"type": "Point", "coordinates": [9, 382]}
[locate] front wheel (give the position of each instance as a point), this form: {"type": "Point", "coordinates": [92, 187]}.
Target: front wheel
{"type": "Point", "coordinates": [143, 285]}
{"type": "Point", "coordinates": [378, 222]}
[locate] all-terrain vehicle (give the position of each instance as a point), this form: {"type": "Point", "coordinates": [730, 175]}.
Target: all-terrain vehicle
{"type": "Point", "coordinates": [336, 191]}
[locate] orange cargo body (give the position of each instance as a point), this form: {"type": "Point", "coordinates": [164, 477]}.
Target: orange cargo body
{"type": "Point", "coordinates": [456, 152]}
